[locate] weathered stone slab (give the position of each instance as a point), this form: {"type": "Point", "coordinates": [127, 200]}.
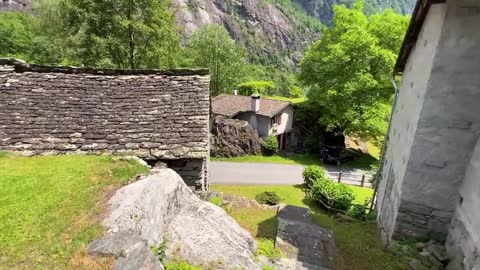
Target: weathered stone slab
{"type": "Point", "coordinates": [160, 207]}
{"type": "Point", "coordinates": [305, 244]}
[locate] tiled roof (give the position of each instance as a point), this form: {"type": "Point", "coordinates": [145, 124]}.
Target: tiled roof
{"type": "Point", "coordinates": [230, 105]}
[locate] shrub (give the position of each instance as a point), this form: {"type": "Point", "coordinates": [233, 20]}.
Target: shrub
{"type": "Point", "coordinates": [296, 92]}
{"type": "Point", "coordinates": [311, 174]}
{"type": "Point", "coordinates": [181, 265]}
{"type": "Point", "coordinates": [358, 211]}
{"type": "Point", "coordinates": [270, 145]}
{"type": "Point", "coordinates": [267, 248]}
{"type": "Point", "coordinates": [216, 200]}
{"type": "Point", "coordinates": [256, 87]}
{"type": "Point", "coordinates": [332, 195]}
{"type": "Point", "coordinates": [270, 198]}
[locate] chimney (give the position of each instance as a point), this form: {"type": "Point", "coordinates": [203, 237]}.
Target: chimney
{"type": "Point", "coordinates": [255, 102]}
{"type": "Point", "coordinates": [235, 92]}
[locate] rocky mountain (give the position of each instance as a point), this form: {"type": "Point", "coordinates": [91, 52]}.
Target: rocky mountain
{"type": "Point", "coordinates": [14, 5]}
{"type": "Point", "coordinates": [323, 9]}
{"type": "Point", "coordinates": [269, 33]}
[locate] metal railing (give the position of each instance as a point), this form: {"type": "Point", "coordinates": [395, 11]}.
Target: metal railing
{"type": "Point", "coordinates": [353, 179]}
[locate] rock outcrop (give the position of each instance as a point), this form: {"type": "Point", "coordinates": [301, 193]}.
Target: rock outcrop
{"type": "Point", "coordinates": [15, 5]}
{"type": "Point", "coordinates": [233, 138]}
{"type": "Point", "coordinates": [162, 208]}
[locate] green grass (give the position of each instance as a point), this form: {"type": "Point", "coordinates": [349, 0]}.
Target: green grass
{"type": "Point", "coordinates": [373, 150]}
{"type": "Point", "coordinates": [358, 244]}
{"type": "Point", "coordinates": [363, 161]}
{"type": "Point", "coordinates": [299, 159]}
{"type": "Point", "coordinates": [292, 195]}
{"type": "Point", "coordinates": [51, 208]}
{"type": "Point", "coordinates": [292, 100]}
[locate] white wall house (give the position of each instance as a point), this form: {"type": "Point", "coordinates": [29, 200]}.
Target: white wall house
{"type": "Point", "coordinates": [267, 116]}
{"type": "Point", "coordinates": [430, 187]}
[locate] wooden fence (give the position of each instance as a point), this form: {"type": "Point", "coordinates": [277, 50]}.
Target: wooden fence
{"type": "Point", "coordinates": [354, 179]}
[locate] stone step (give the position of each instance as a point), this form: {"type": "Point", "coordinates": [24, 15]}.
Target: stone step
{"type": "Point", "coordinates": [305, 244]}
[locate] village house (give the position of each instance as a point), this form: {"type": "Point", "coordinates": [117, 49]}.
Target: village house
{"type": "Point", "coordinates": [159, 116]}
{"type": "Point", "coordinates": [266, 116]}
{"type": "Point", "coordinates": [430, 186]}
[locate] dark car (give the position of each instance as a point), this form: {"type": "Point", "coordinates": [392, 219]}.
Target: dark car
{"type": "Point", "coordinates": [336, 155]}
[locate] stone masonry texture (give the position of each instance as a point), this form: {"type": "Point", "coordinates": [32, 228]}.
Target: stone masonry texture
{"type": "Point", "coordinates": [151, 114]}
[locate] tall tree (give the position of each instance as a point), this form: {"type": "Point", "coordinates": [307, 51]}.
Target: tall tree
{"type": "Point", "coordinates": [16, 35]}
{"type": "Point", "coordinates": [348, 71]}
{"type": "Point", "coordinates": [211, 47]}
{"type": "Point", "coordinates": [118, 33]}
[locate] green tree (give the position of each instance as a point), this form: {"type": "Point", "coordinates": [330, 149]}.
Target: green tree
{"type": "Point", "coordinates": [16, 35]}
{"type": "Point", "coordinates": [348, 71]}
{"type": "Point", "coordinates": [117, 33]}
{"type": "Point", "coordinates": [211, 47]}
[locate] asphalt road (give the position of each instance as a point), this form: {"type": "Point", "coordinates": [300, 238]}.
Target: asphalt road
{"type": "Point", "coordinates": [237, 173]}
{"type": "Point", "coordinates": [255, 173]}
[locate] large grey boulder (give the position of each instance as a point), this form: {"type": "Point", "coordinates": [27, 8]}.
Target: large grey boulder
{"type": "Point", "coordinates": [129, 249]}
{"type": "Point", "coordinates": [160, 207]}
{"type": "Point", "coordinates": [234, 138]}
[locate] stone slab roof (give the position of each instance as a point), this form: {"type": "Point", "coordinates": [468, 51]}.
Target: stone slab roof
{"type": "Point", "coordinates": [148, 113]}
{"type": "Point", "coordinates": [231, 105]}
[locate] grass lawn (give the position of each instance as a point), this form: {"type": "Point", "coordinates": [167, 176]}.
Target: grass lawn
{"type": "Point", "coordinates": [292, 100]}
{"type": "Point", "coordinates": [51, 208]}
{"type": "Point", "coordinates": [299, 159]}
{"type": "Point", "coordinates": [364, 161]}
{"type": "Point", "coordinates": [358, 244]}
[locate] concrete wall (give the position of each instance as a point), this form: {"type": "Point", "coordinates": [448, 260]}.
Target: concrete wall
{"type": "Point", "coordinates": [405, 120]}
{"type": "Point", "coordinates": [264, 126]}
{"type": "Point", "coordinates": [285, 123]}
{"type": "Point", "coordinates": [258, 122]}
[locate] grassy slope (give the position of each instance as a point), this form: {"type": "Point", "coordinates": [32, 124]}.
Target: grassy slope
{"type": "Point", "coordinates": [51, 206]}
{"type": "Point", "coordinates": [292, 100]}
{"type": "Point", "coordinates": [358, 244]}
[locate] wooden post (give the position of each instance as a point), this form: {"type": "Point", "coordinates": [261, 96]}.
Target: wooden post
{"type": "Point", "coordinates": [363, 180]}
{"type": "Point", "coordinates": [339, 176]}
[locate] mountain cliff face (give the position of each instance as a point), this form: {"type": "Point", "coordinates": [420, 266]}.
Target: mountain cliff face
{"type": "Point", "coordinates": [271, 35]}
{"type": "Point", "coordinates": [323, 9]}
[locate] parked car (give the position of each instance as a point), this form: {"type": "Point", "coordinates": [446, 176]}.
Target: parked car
{"type": "Point", "coordinates": [336, 155]}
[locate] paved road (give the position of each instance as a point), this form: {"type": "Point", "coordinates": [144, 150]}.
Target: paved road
{"type": "Point", "coordinates": [255, 173]}
{"type": "Point", "coordinates": [236, 173]}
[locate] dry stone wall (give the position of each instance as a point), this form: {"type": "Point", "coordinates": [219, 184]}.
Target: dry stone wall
{"type": "Point", "coordinates": [147, 113]}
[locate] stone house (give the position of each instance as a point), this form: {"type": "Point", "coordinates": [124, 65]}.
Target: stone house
{"type": "Point", "coordinates": [266, 116]}
{"type": "Point", "coordinates": [159, 116]}
{"type": "Point", "coordinates": [430, 187]}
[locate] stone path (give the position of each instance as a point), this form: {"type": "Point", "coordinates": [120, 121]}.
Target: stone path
{"type": "Point", "coordinates": [305, 244]}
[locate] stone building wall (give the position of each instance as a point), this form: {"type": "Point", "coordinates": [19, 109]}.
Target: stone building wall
{"type": "Point", "coordinates": [463, 242]}
{"type": "Point", "coordinates": [398, 159]}
{"type": "Point", "coordinates": [155, 115]}
{"type": "Point", "coordinates": [430, 186]}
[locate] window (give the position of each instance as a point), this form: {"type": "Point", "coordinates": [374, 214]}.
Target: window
{"type": "Point", "coordinates": [277, 119]}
